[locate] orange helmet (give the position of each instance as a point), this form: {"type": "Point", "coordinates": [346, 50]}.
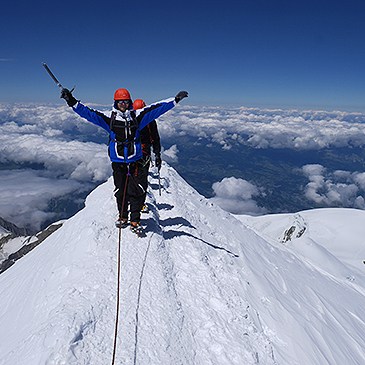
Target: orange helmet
{"type": "Point", "coordinates": [122, 94]}
{"type": "Point", "coordinates": [138, 104]}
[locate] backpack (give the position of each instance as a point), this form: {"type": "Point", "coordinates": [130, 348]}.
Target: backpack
{"type": "Point", "coordinates": [126, 136]}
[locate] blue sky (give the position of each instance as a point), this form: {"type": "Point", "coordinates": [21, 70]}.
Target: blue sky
{"type": "Point", "coordinates": [305, 54]}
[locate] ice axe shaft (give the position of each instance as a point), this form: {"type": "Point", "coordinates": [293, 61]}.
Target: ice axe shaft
{"type": "Point", "coordinates": [50, 73]}
{"type": "Point", "coordinates": [54, 78]}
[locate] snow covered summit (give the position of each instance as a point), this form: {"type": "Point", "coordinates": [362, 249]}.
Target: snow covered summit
{"type": "Point", "coordinates": [202, 288]}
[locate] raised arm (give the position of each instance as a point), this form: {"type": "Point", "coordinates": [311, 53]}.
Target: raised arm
{"type": "Point", "coordinates": [83, 111]}
{"type": "Point", "coordinates": [92, 116]}
{"type": "Point", "coordinates": [153, 111]}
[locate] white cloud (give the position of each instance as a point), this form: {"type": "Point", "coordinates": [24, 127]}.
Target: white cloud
{"type": "Point", "coordinates": [43, 120]}
{"type": "Point", "coordinates": [264, 128]}
{"type": "Point", "coordinates": [39, 135]}
{"type": "Point", "coordinates": [236, 196]}
{"type": "Point", "coordinates": [46, 136]}
{"type": "Point", "coordinates": [63, 158]}
{"type": "Point", "coordinates": [170, 155]}
{"type": "Point", "coordinates": [24, 196]}
{"type": "Point", "coordinates": [359, 179]}
{"type": "Point", "coordinates": [341, 188]}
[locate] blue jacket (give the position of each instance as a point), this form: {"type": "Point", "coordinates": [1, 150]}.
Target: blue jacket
{"type": "Point", "coordinates": [127, 149]}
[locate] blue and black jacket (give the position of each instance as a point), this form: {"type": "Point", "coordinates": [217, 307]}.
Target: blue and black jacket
{"type": "Point", "coordinates": [124, 128]}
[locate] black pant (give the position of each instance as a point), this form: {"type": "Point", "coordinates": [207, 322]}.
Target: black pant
{"type": "Point", "coordinates": [130, 181]}
{"type": "Point", "coordinates": [144, 166]}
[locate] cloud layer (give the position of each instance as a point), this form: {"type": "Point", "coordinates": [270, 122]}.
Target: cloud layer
{"type": "Point", "coordinates": [48, 144]}
{"type": "Point", "coordinates": [58, 149]}
{"type": "Point", "coordinates": [24, 196]}
{"type": "Point", "coordinates": [264, 128]}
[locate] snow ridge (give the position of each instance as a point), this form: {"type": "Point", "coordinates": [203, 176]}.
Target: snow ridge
{"type": "Point", "coordinates": [201, 288]}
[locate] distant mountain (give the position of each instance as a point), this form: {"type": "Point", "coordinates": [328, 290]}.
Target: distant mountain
{"type": "Point", "coordinates": [8, 232]}
{"type": "Point", "coordinates": [203, 287]}
{"type": "Point", "coordinates": [21, 245]}
{"type": "Point", "coordinates": [12, 228]}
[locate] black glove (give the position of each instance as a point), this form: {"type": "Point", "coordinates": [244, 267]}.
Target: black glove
{"type": "Point", "coordinates": [67, 95]}
{"type": "Point", "coordinates": [158, 161]}
{"type": "Point", "coordinates": [181, 95]}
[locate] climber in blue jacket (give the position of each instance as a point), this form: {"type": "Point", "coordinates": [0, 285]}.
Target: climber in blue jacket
{"type": "Point", "coordinates": [124, 126]}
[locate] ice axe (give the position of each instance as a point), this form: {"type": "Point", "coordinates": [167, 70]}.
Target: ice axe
{"type": "Point", "coordinates": [54, 78]}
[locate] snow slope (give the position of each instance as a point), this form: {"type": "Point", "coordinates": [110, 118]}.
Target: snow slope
{"type": "Point", "coordinates": [338, 231]}
{"type": "Point", "coordinates": [202, 288]}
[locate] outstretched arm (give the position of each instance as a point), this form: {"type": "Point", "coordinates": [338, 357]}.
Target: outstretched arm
{"type": "Point", "coordinates": [83, 111]}
{"type": "Point", "coordinates": [153, 111]}
{"type": "Point", "coordinates": [92, 116]}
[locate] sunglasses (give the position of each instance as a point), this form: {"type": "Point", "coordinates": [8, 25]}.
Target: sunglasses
{"type": "Point", "coordinates": [123, 101]}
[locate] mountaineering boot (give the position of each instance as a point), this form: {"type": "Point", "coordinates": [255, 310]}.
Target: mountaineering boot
{"type": "Point", "coordinates": [137, 229]}
{"type": "Point", "coordinates": [121, 222]}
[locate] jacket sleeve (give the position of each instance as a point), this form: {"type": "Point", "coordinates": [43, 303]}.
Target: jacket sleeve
{"type": "Point", "coordinates": [93, 116]}
{"type": "Point", "coordinates": [153, 111]}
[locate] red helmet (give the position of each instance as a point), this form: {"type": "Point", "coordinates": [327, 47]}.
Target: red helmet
{"type": "Point", "coordinates": [138, 104]}
{"type": "Point", "coordinates": [122, 94]}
